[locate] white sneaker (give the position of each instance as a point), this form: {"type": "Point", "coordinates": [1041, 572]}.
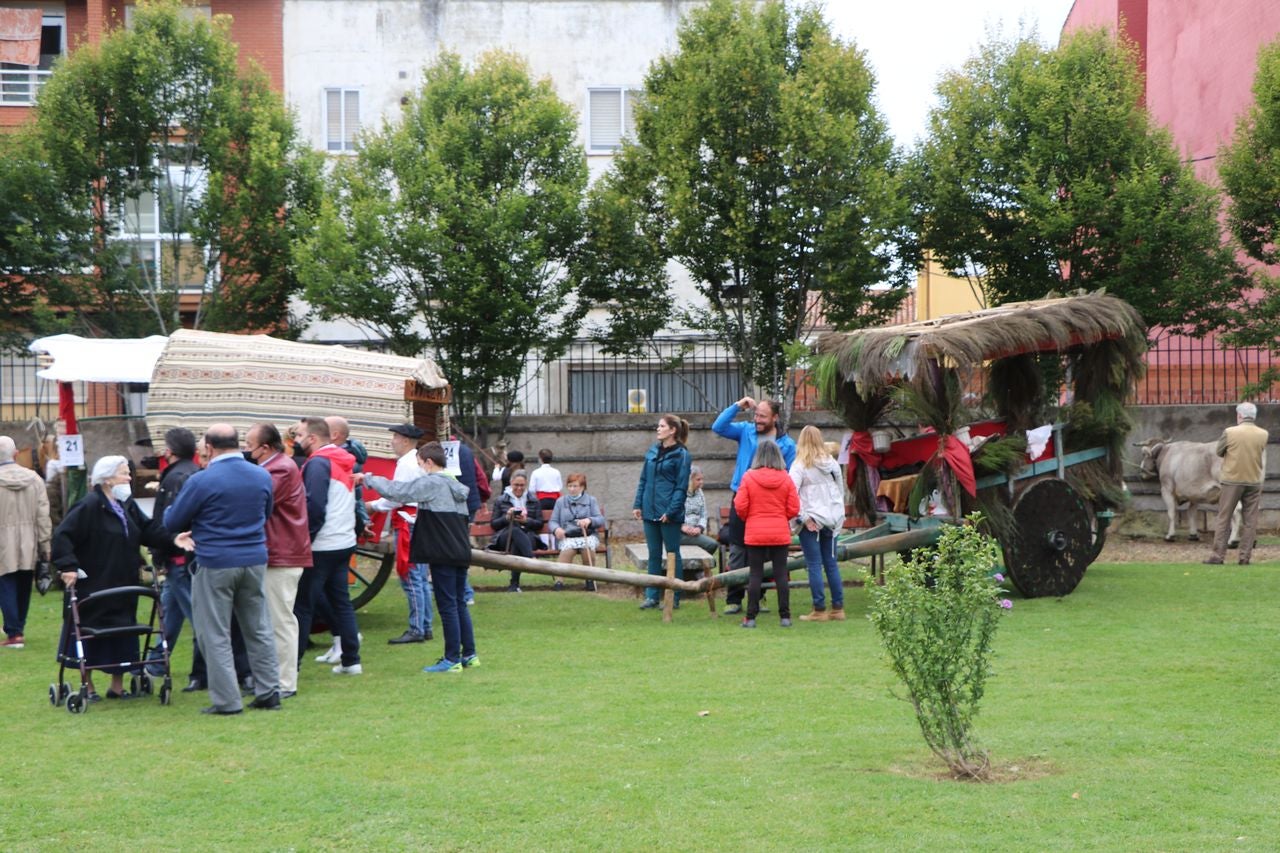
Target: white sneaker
{"type": "Point", "coordinates": [354, 669]}
{"type": "Point", "coordinates": [333, 655]}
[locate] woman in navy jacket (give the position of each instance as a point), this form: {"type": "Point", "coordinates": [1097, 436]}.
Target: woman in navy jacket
{"type": "Point", "coordinates": [660, 495]}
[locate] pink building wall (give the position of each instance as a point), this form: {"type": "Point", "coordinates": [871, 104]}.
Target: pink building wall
{"type": "Point", "coordinates": [1199, 57]}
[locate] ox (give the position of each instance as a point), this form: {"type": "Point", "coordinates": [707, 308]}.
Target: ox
{"type": "Point", "coordinates": [1189, 473]}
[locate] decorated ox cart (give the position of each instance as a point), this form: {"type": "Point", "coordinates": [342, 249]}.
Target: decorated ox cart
{"type": "Point", "coordinates": [203, 378]}
{"type": "Point", "coordinates": [1016, 412]}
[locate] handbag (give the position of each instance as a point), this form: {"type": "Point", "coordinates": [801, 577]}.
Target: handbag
{"type": "Point", "coordinates": [44, 576]}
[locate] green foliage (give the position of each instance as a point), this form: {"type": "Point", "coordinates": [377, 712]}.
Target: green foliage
{"type": "Point", "coordinates": [1042, 172]}
{"type": "Point", "coordinates": [161, 110]}
{"type": "Point", "coordinates": [936, 616]}
{"type": "Point", "coordinates": [453, 229]}
{"type": "Point", "coordinates": [762, 165]}
{"type": "Point", "coordinates": [1250, 172]}
{"type": "Point", "coordinates": [37, 237]}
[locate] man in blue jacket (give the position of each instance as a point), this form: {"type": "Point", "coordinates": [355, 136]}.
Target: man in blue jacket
{"type": "Point", "coordinates": [748, 434]}
{"type": "Point", "coordinates": [224, 510]}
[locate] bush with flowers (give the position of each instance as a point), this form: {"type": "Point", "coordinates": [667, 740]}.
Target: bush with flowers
{"type": "Point", "coordinates": [936, 615]}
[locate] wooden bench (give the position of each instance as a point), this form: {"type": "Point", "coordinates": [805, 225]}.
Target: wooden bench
{"type": "Point", "coordinates": [482, 534]}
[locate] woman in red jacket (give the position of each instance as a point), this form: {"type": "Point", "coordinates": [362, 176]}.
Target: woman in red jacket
{"type": "Point", "coordinates": [766, 502]}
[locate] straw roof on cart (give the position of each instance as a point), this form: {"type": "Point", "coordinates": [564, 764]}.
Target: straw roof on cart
{"type": "Point", "coordinates": [874, 358]}
{"type": "Point", "coordinates": [202, 378]}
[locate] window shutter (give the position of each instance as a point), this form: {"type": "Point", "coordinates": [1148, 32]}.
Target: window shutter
{"type": "Point", "coordinates": [333, 119]}
{"type": "Point", "coordinates": [606, 118]}
{"type": "Point", "coordinates": [350, 118]}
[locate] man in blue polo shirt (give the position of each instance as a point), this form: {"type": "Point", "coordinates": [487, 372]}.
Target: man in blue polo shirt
{"type": "Point", "coordinates": [748, 434]}
{"type": "Point", "coordinates": [224, 510]}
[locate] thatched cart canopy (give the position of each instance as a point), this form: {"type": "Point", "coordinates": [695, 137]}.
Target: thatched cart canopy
{"type": "Point", "coordinates": [875, 358]}
{"type": "Point", "coordinates": [1026, 353]}
{"type": "Point", "coordinates": [202, 378]}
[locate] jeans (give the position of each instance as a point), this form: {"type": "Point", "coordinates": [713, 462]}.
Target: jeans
{"type": "Point", "coordinates": [336, 565]}
{"type": "Point", "coordinates": [657, 536]}
{"type": "Point", "coordinates": [455, 618]}
{"type": "Point", "coordinates": [175, 599]}
{"type": "Point", "coordinates": [820, 558]}
{"type": "Point", "coordinates": [756, 556]}
{"type": "Point", "coordinates": [327, 580]}
{"type": "Point", "coordinates": [417, 588]}
{"type": "Point", "coordinates": [15, 600]}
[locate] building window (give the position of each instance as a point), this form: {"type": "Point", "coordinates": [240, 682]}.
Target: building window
{"type": "Point", "coordinates": [341, 119]}
{"type": "Point", "coordinates": [610, 117]}
{"type": "Point", "coordinates": [154, 228]}
{"type": "Point", "coordinates": [20, 84]}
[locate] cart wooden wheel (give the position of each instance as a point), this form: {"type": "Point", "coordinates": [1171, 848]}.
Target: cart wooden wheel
{"type": "Point", "coordinates": [369, 573]}
{"type": "Point", "coordinates": [1053, 540]}
{"type": "Point", "coordinates": [1097, 532]}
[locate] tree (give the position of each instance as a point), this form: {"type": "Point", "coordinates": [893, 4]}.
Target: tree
{"type": "Point", "coordinates": [451, 230]}
{"type": "Point", "coordinates": [1249, 168]}
{"type": "Point", "coordinates": [182, 174]}
{"type": "Point", "coordinates": [760, 164]}
{"type": "Point", "coordinates": [38, 236]}
{"type": "Point", "coordinates": [1042, 172]}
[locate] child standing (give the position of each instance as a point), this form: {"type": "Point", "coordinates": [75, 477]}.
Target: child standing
{"type": "Point", "coordinates": [817, 480]}
{"type": "Point", "coordinates": [766, 502]}
{"type": "Point", "coordinates": [441, 538]}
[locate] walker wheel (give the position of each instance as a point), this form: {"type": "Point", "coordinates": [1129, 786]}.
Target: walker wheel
{"type": "Point", "coordinates": [66, 691]}
{"type": "Point", "coordinates": [166, 691]}
{"type": "Point", "coordinates": [75, 703]}
{"type": "Point", "coordinates": [133, 684]}
{"type": "Point", "coordinates": [54, 699]}
{"type": "Point", "coordinates": [144, 684]}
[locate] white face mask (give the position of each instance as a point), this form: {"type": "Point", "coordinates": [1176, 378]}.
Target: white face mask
{"type": "Point", "coordinates": [122, 491]}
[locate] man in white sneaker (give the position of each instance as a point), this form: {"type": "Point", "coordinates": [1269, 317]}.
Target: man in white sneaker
{"type": "Point", "coordinates": [331, 520]}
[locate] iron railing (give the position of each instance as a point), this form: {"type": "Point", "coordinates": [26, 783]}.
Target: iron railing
{"type": "Point", "coordinates": [699, 375]}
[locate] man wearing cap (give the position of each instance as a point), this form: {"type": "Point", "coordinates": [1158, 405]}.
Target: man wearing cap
{"type": "Point", "coordinates": [413, 576]}
{"type": "Point", "coordinates": [1243, 449]}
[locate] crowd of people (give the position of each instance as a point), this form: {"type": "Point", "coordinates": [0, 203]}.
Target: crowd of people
{"type": "Point", "coordinates": [254, 537]}
{"type": "Point", "coordinates": [254, 545]}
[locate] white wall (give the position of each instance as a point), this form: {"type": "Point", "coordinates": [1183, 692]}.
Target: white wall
{"type": "Point", "coordinates": [380, 47]}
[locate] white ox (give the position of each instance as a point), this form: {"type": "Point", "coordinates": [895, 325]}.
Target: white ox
{"type": "Point", "coordinates": [1189, 474]}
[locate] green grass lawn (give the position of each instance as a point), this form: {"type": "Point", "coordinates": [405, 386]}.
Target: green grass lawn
{"type": "Point", "coordinates": [1139, 713]}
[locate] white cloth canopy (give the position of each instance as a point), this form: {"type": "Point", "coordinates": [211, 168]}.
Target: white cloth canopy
{"type": "Point", "coordinates": [77, 359]}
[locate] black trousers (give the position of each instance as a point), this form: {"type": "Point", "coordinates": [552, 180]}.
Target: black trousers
{"type": "Point", "coordinates": [756, 557]}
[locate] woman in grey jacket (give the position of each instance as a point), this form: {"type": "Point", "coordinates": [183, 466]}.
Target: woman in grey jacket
{"type": "Point", "coordinates": [575, 519]}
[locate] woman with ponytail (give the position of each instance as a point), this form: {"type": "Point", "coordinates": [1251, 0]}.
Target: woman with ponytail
{"type": "Point", "coordinates": [660, 497]}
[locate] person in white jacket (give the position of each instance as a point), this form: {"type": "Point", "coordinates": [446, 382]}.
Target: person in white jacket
{"type": "Point", "coordinates": [817, 479]}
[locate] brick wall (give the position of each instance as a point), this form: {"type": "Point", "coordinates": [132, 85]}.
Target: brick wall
{"type": "Point", "coordinates": [257, 26]}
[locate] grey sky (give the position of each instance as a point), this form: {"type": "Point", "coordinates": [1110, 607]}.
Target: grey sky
{"type": "Point", "coordinates": [910, 43]}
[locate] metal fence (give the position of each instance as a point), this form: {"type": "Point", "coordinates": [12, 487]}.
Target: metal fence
{"type": "Point", "coordinates": [1186, 371]}
{"type": "Point", "coordinates": [673, 375]}
{"type": "Point", "coordinates": [699, 375]}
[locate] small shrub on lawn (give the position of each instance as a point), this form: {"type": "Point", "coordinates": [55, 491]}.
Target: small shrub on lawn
{"type": "Point", "coordinates": [936, 615]}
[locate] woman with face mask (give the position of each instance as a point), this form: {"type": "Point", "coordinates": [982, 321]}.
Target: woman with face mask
{"type": "Point", "coordinates": [101, 536]}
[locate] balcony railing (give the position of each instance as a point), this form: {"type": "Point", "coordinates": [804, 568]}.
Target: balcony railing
{"type": "Point", "coordinates": [21, 86]}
